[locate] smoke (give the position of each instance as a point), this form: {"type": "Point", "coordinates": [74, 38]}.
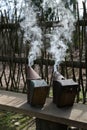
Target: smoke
{"type": "Point", "coordinates": [62, 34]}
{"type": "Point", "coordinates": [32, 33]}
{"type": "Point", "coordinates": [50, 4]}
{"type": "Point", "coordinates": [11, 6]}
{"type": "Point", "coordinates": [59, 36]}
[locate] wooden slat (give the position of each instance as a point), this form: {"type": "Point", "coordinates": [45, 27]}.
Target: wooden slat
{"type": "Point", "coordinates": [51, 62]}
{"type": "Point", "coordinates": [9, 26]}
{"type": "Point", "coordinates": [82, 22]}
{"type": "Point", "coordinates": [76, 115]}
{"type": "Point", "coordinates": [12, 59]}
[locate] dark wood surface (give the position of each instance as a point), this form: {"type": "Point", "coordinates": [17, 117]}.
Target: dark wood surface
{"type": "Point", "coordinates": [75, 116]}
{"type": "Point", "coordinates": [75, 64]}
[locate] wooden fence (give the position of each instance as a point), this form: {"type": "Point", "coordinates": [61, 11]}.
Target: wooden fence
{"type": "Point", "coordinates": [13, 57]}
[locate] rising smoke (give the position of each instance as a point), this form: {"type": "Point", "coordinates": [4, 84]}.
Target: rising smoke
{"type": "Point", "coordinates": [62, 34]}
{"type": "Point", "coordinates": [59, 36]}
{"type": "Point", "coordinates": [32, 33]}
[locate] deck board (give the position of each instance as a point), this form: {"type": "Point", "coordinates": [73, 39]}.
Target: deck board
{"type": "Point", "coordinates": [76, 115]}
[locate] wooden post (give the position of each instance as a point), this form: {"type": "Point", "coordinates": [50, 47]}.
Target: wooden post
{"type": "Point", "coordinates": [49, 125]}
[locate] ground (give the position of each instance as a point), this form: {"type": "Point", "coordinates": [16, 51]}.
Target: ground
{"type": "Point", "coordinates": [15, 121]}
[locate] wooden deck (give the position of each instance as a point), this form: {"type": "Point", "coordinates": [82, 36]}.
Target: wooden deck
{"type": "Point", "coordinates": [74, 116]}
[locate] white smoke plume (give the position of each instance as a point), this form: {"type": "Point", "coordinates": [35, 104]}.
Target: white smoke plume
{"type": "Point", "coordinates": [59, 36]}
{"type": "Point", "coordinates": [32, 33]}
{"type": "Point", "coordinates": [11, 6]}
{"type": "Point", "coordinates": [62, 34]}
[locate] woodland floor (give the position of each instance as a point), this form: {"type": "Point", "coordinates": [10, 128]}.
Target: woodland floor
{"type": "Point", "coordinates": [15, 121]}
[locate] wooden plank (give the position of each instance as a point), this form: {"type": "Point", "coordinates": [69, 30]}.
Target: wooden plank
{"type": "Point", "coordinates": [74, 116]}
{"type": "Point", "coordinates": [75, 64]}
{"type": "Point", "coordinates": [13, 59]}
{"type": "Point", "coordinates": [82, 22]}
{"type": "Point", "coordinates": [8, 26]}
